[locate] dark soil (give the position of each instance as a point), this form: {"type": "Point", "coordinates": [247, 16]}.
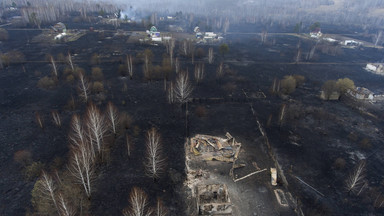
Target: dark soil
{"type": "Point", "coordinates": [323, 127]}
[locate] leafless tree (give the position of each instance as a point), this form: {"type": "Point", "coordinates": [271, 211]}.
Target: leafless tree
{"type": "Point", "coordinates": [95, 123]}
{"type": "Point", "coordinates": [48, 188]}
{"type": "Point", "coordinates": [170, 93]}
{"type": "Point", "coordinates": [171, 49]}
{"type": "Point", "coordinates": [298, 56]}
{"type": "Point", "coordinates": [355, 181]}
{"type": "Point", "coordinates": [183, 89]}
{"type": "Point", "coordinates": [282, 114]}
{"type": "Point", "coordinates": [130, 66]}
{"type": "Point", "coordinates": [155, 161]}
{"type": "Point", "coordinates": [54, 66]}
{"type": "Point", "coordinates": [82, 165]}
{"type": "Point", "coordinates": [184, 47]}
{"type": "Point", "coordinates": [39, 120]}
{"type": "Point", "coordinates": [56, 118]}
{"type": "Point", "coordinates": [129, 144]}
{"type": "Point", "coordinates": [264, 36]}
{"type": "Point", "coordinates": [76, 135]}
{"type": "Point", "coordinates": [378, 37]}
{"type": "Point", "coordinates": [65, 209]}
{"type": "Point", "coordinates": [160, 209]}
{"type": "Point", "coordinates": [177, 65]}
{"type": "Point", "coordinates": [220, 71]}
{"type": "Point", "coordinates": [275, 86]}
{"type": "Point", "coordinates": [199, 72]}
{"type": "Point", "coordinates": [147, 72]}
{"type": "Point", "coordinates": [113, 116]}
{"type": "Point", "coordinates": [138, 200]}
{"type": "Point", "coordinates": [170, 46]}
{"type": "Point", "coordinates": [210, 55]}
{"type": "Point", "coordinates": [226, 25]}
{"type": "Point", "coordinates": [83, 87]}
{"type": "Point", "coordinates": [70, 61]}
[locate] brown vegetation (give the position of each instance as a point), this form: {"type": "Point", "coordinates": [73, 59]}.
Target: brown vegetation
{"type": "Point", "coordinates": [97, 74]}
{"type": "Point", "coordinates": [23, 157]}
{"type": "Point", "coordinates": [201, 111]}
{"type": "Point", "coordinates": [47, 82]}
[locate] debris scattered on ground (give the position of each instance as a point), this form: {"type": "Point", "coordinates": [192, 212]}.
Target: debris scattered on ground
{"type": "Point", "coordinates": [213, 199]}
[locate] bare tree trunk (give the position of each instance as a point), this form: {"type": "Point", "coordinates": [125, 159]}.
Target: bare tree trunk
{"type": "Point", "coordinates": [183, 88]}
{"type": "Point", "coordinates": [177, 66]}
{"type": "Point", "coordinates": [113, 116]}
{"type": "Point", "coordinates": [220, 71]}
{"type": "Point", "coordinates": [54, 66]}
{"type": "Point", "coordinates": [83, 87]}
{"type": "Point", "coordinates": [155, 162]}
{"type": "Point", "coordinates": [64, 207]}
{"type": "Point", "coordinates": [210, 55]}
{"type": "Point", "coordinates": [56, 118]}
{"type": "Point", "coordinates": [39, 120]}
{"type": "Point", "coordinates": [129, 145]}
{"type": "Point", "coordinates": [70, 61]}
{"type": "Point", "coordinates": [355, 181]}
{"type": "Point", "coordinates": [130, 66]}
{"type": "Point", "coordinates": [95, 122]}
{"type": "Point", "coordinates": [48, 188]}
{"type": "Point", "coordinates": [171, 97]}
{"type": "Point", "coordinates": [138, 204]}
{"type": "Point", "coordinates": [160, 209]}
{"type": "Point", "coordinates": [199, 72]}
{"type": "Point", "coordinates": [81, 165]}
{"type": "Point", "coordinates": [171, 49]}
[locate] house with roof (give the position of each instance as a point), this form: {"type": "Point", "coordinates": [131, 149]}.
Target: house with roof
{"type": "Point", "coordinates": [377, 68]}
{"type": "Point", "coordinates": [316, 33]}
{"type": "Point", "coordinates": [361, 93]}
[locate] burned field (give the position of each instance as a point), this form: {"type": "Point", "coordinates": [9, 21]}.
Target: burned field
{"type": "Point", "coordinates": [314, 144]}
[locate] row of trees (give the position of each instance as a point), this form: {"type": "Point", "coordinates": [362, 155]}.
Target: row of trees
{"type": "Point", "coordinates": [338, 87]}
{"type": "Point", "coordinates": [87, 147]}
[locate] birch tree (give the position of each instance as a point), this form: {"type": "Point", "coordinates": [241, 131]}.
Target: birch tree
{"type": "Point", "coordinates": [48, 188]}
{"type": "Point", "coordinates": [65, 209]}
{"type": "Point", "coordinates": [138, 200]}
{"type": "Point", "coordinates": [130, 66]}
{"type": "Point", "coordinates": [355, 181]}
{"type": "Point", "coordinates": [113, 116]}
{"type": "Point", "coordinates": [83, 87]}
{"type": "Point", "coordinates": [70, 61]}
{"type": "Point", "coordinates": [210, 55]}
{"type": "Point", "coordinates": [95, 123]}
{"type": "Point", "coordinates": [183, 88]}
{"type": "Point", "coordinates": [220, 71]}
{"type": "Point", "coordinates": [53, 66]}
{"type": "Point", "coordinates": [160, 209]}
{"type": "Point", "coordinates": [199, 72]}
{"type": "Point", "coordinates": [82, 165]}
{"type": "Point", "coordinates": [155, 161]}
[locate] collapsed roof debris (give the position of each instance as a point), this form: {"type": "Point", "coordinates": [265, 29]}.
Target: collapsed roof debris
{"type": "Point", "coordinates": [215, 148]}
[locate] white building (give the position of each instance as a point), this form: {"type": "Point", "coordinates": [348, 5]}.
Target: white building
{"type": "Point", "coordinates": [377, 68]}
{"type": "Point", "coordinates": [316, 33]}
{"type": "Point", "coordinates": [210, 35]}
{"type": "Point", "coordinates": [352, 43]}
